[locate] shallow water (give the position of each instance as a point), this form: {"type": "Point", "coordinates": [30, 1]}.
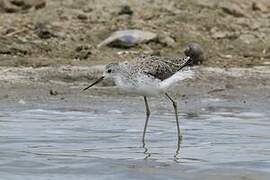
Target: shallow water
{"type": "Point", "coordinates": [104, 142]}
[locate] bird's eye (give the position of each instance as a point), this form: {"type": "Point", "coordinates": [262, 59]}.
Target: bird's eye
{"type": "Point", "coordinates": [109, 71]}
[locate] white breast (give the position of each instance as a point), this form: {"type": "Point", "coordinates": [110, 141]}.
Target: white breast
{"type": "Point", "coordinates": [140, 84]}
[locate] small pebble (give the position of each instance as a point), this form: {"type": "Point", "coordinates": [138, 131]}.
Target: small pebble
{"type": "Point", "coordinates": [125, 10]}
{"type": "Point", "coordinates": [53, 92]}
{"type": "Point", "coordinates": [82, 17]}
{"type": "Point", "coordinates": [258, 6]}
{"type": "Point", "coordinates": [196, 52]}
{"type": "Point", "coordinates": [43, 31]}
{"type": "Point", "coordinates": [21, 101]}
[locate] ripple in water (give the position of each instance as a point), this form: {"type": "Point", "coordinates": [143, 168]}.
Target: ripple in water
{"type": "Point", "coordinates": [44, 141]}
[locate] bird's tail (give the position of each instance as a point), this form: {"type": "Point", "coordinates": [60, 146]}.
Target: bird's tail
{"type": "Point", "coordinates": [172, 81]}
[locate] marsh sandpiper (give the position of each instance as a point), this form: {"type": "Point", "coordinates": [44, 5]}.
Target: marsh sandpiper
{"type": "Point", "coordinates": [149, 75]}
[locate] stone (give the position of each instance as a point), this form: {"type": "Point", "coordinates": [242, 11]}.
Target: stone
{"type": "Point", "coordinates": [53, 92]}
{"type": "Point", "coordinates": [13, 6]}
{"type": "Point", "coordinates": [39, 4]}
{"type": "Point", "coordinates": [22, 102]}
{"type": "Point", "coordinates": [7, 7]}
{"type": "Point", "coordinates": [17, 2]}
{"type": "Point", "coordinates": [82, 52]}
{"type": "Point", "coordinates": [232, 9]}
{"type": "Point", "coordinates": [195, 52]}
{"type": "Point", "coordinates": [125, 10]}
{"type": "Point", "coordinates": [128, 38]}
{"type": "Point", "coordinates": [43, 31]}
{"type": "Point", "coordinates": [82, 16]}
{"type": "Point", "coordinates": [259, 6]}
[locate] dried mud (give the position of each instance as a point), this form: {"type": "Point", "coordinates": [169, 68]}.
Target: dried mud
{"type": "Point", "coordinates": [67, 32]}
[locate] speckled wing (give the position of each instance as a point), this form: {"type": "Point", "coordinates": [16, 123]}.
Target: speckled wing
{"type": "Point", "coordinates": [159, 67]}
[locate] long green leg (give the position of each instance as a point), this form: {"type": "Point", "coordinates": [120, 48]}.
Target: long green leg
{"type": "Point", "coordinates": [147, 112]}
{"type": "Point", "coordinates": [177, 122]}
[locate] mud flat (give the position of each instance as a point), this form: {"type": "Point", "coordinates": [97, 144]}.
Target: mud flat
{"type": "Point", "coordinates": [242, 85]}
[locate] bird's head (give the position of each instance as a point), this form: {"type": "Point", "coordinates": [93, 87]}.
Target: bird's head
{"type": "Point", "coordinates": [111, 70]}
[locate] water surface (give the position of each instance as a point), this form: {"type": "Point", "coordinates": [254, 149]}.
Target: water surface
{"type": "Point", "coordinates": [104, 141]}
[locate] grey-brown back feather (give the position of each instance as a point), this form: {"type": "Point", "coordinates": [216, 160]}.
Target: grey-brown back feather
{"type": "Point", "coordinates": [159, 67]}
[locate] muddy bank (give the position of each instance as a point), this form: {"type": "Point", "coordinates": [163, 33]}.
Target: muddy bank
{"type": "Point", "coordinates": [246, 86]}
{"type": "Point", "coordinates": [233, 34]}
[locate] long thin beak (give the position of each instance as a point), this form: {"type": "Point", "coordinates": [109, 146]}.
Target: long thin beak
{"type": "Point", "coordinates": [97, 81]}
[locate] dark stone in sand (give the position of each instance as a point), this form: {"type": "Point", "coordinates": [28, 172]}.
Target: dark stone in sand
{"type": "Point", "coordinates": [43, 31]}
{"type": "Point", "coordinates": [14, 6]}
{"type": "Point", "coordinates": [125, 10]}
{"type": "Point", "coordinates": [196, 52]}
{"type": "Point", "coordinates": [82, 16]}
{"type": "Point", "coordinates": [53, 92]}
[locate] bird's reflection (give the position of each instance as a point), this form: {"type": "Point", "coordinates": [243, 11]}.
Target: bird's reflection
{"type": "Point", "coordinates": [146, 153]}
{"type": "Point", "coordinates": [176, 155]}
{"type": "Point", "coordinates": [177, 152]}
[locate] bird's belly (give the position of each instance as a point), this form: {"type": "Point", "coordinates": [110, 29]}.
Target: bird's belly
{"type": "Point", "coordinates": [144, 91]}
{"type": "Point", "coordinates": [141, 88]}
